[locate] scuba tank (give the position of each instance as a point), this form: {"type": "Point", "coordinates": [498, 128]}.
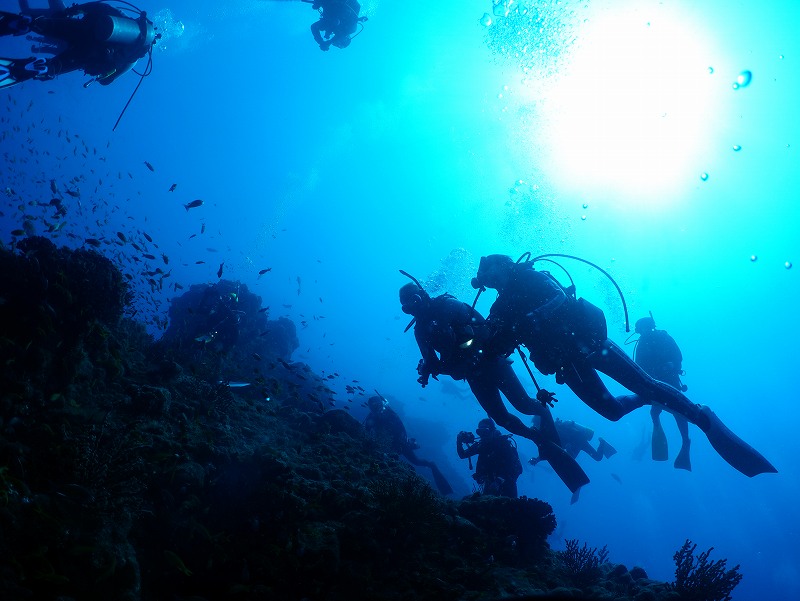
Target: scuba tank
{"type": "Point", "coordinates": [122, 30]}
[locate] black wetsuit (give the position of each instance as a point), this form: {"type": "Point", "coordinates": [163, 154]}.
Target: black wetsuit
{"type": "Point", "coordinates": [498, 465]}
{"type": "Point", "coordinates": [567, 337]}
{"type": "Point", "coordinates": [386, 426]}
{"type": "Point", "coordinates": [88, 37]}
{"type": "Point", "coordinates": [445, 327]}
{"type": "Point", "coordinates": [339, 19]}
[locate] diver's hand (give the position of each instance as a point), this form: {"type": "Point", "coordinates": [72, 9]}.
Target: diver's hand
{"type": "Point", "coordinates": [546, 398]}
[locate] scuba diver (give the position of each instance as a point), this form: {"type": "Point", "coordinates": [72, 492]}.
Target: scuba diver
{"type": "Point", "coordinates": [567, 336]}
{"type": "Point", "coordinates": [382, 422]}
{"type": "Point", "coordinates": [338, 21]}
{"type": "Point", "coordinates": [574, 440]}
{"type": "Point", "coordinates": [94, 37]}
{"type": "Point", "coordinates": [449, 334]}
{"type": "Point", "coordinates": [220, 330]}
{"type": "Point", "coordinates": [498, 465]}
{"type": "Point", "coordinates": [658, 354]}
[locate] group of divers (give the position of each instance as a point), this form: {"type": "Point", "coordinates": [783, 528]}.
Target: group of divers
{"type": "Point", "coordinates": [566, 336]}
{"type": "Point", "coordinates": [107, 39]}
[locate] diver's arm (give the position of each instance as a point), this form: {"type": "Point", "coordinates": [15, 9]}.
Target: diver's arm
{"type": "Point", "coordinates": [316, 27]}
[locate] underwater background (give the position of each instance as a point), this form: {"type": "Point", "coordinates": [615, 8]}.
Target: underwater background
{"type": "Point", "coordinates": [656, 139]}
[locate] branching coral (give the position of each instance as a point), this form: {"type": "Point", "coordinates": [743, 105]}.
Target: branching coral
{"type": "Point", "coordinates": [583, 563]}
{"type": "Point", "coordinates": [701, 579]}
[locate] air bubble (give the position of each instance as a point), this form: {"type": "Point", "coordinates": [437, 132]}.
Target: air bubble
{"type": "Point", "coordinates": [583, 217]}
{"type": "Point", "coordinates": [586, 205]}
{"type": "Point", "coordinates": [736, 148]}
{"type": "Point", "coordinates": [486, 20]}
{"type": "Point", "coordinates": [788, 265]}
{"type": "Point", "coordinates": [711, 70]}
{"type": "Point", "coordinates": [743, 80]}
{"type": "Point", "coordinates": [704, 176]}
{"type": "Point", "coordinates": [753, 258]}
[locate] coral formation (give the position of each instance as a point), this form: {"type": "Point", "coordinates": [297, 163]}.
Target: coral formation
{"type": "Point", "coordinates": [701, 579]}
{"type": "Point", "coordinates": [583, 563]}
{"type": "Point", "coordinates": [138, 471]}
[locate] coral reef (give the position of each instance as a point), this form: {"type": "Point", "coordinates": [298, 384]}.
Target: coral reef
{"type": "Point", "coordinates": [701, 579]}
{"type": "Point", "coordinates": [583, 563]}
{"type": "Point", "coordinates": [138, 471]}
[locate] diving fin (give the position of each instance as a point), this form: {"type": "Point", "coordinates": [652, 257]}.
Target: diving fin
{"type": "Point", "coordinates": [565, 466]}
{"type": "Point", "coordinates": [14, 71]}
{"type": "Point", "coordinates": [683, 461]}
{"type": "Point", "coordinates": [733, 449]}
{"type": "Point", "coordinates": [660, 448]}
{"type": "Point", "coordinates": [441, 482]}
{"type": "Point", "coordinates": [14, 24]}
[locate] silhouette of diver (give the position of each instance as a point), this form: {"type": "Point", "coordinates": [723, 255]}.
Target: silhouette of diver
{"type": "Point", "coordinates": [567, 336]}
{"type": "Point", "coordinates": [94, 37]}
{"type": "Point", "coordinates": [384, 423]}
{"type": "Point", "coordinates": [658, 354]}
{"type": "Point", "coordinates": [449, 334]}
{"type": "Point", "coordinates": [338, 21]}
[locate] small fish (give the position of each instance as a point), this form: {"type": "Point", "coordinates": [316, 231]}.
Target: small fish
{"type": "Point", "coordinates": [193, 204]}
{"type": "Point", "coordinates": [256, 356]}
{"type": "Point", "coordinates": [219, 271]}
{"type": "Point", "coordinates": [263, 271]}
{"type": "Point", "coordinates": [199, 262]}
{"type": "Point", "coordinates": [149, 166]}
{"type": "Point", "coordinates": [165, 258]}
{"type": "Point", "coordinates": [202, 228]}
{"type": "Point", "coordinates": [121, 236]}
{"type": "Point", "coordinates": [233, 384]}
{"type": "Point", "coordinates": [74, 193]}
{"type": "Point", "coordinates": [89, 241]}
{"type": "Point", "coordinates": [172, 187]}
{"type": "Point", "coordinates": [147, 237]}
{"type": "Point", "coordinates": [53, 186]}
{"type": "Point", "coordinates": [148, 256]}
{"type": "Point", "coordinates": [17, 232]}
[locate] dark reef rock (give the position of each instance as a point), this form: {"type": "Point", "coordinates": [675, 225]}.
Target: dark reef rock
{"type": "Point", "coordinates": [132, 470]}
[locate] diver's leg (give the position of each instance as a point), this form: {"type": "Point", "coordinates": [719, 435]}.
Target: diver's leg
{"type": "Point", "coordinates": [511, 387]}
{"type": "Point", "coordinates": [683, 460]}
{"type": "Point", "coordinates": [441, 482]}
{"type": "Point", "coordinates": [613, 361]}
{"type": "Point", "coordinates": [659, 447]}
{"type": "Point", "coordinates": [596, 454]}
{"type": "Point", "coordinates": [486, 391]}
{"type": "Point", "coordinates": [584, 381]}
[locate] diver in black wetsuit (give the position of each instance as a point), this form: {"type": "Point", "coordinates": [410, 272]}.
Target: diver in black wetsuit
{"type": "Point", "coordinates": [449, 334]}
{"type": "Point", "coordinates": [338, 22]}
{"type": "Point", "coordinates": [498, 465]}
{"type": "Point", "coordinates": [94, 37]}
{"type": "Point", "coordinates": [658, 354]}
{"type": "Point", "coordinates": [383, 423]}
{"type": "Point", "coordinates": [567, 336]}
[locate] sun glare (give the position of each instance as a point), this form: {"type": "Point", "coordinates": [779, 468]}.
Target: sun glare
{"type": "Point", "coordinates": [630, 114]}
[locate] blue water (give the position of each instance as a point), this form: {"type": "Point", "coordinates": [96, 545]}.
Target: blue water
{"type": "Point", "coordinates": [434, 140]}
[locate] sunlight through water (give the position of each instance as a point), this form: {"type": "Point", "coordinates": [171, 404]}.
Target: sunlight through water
{"type": "Point", "coordinates": [630, 114]}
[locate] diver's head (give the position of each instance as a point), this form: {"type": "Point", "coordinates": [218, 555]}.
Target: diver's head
{"type": "Point", "coordinates": [412, 299]}
{"type": "Point", "coordinates": [645, 324]}
{"type": "Point", "coordinates": [494, 271]}
{"type": "Point", "coordinates": [377, 404]}
{"type": "Point", "coordinates": [485, 428]}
